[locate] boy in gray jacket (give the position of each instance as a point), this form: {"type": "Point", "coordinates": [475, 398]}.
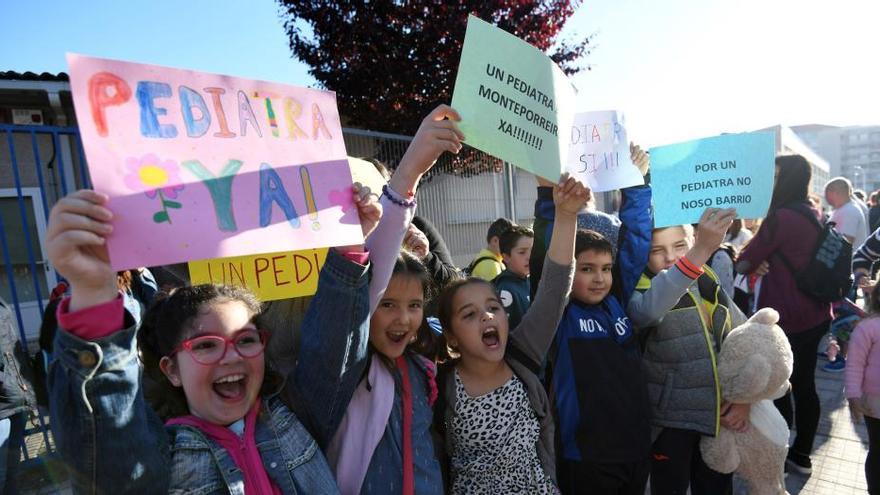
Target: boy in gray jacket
{"type": "Point", "coordinates": [683, 316]}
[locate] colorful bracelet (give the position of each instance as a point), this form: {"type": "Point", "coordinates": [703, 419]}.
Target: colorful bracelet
{"type": "Point", "coordinates": [395, 198]}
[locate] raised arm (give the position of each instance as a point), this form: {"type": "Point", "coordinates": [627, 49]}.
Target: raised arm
{"type": "Point", "coordinates": [647, 308]}
{"type": "Point", "coordinates": [634, 239]}
{"type": "Point", "coordinates": [438, 260]}
{"type": "Point", "coordinates": [535, 332]}
{"type": "Point", "coordinates": [95, 396]}
{"type": "Point", "coordinates": [437, 133]}
{"type": "Point", "coordinates": [333, 353]}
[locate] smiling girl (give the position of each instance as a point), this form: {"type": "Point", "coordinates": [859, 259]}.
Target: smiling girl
{"type": "Point", "coordinates": [369, 393]}
{"type": "Point", "coordinates": [495, 415]}
{"type": "Point", "coordinates": [234, 434]}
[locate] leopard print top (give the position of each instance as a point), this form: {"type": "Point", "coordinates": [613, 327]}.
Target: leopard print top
{"type": "Point", "coordinates": [495, 447]}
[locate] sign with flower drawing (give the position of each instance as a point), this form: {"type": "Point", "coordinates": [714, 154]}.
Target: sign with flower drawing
{"type": "Point", "coordinates": [206, 166]}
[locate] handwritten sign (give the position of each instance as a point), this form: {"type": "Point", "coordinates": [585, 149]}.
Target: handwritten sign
{"type": "Point", "coordinates": [270, 276]}
{"type": "Point", "coordinates": [598, 152]}
{"type": "Point", "coordinates": [728, 171]}
{"type": "Point", "coordinates": [200, 165]}
{"type": "Point", "coordinates": [282, 275]}
{"type": "Point", "coordinates": [515, 102]}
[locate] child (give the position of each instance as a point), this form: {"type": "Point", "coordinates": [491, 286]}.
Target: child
{"type": "Point", "coordinates": [370, 392]}
{"type": "Point", "coordinates": [599, 391]}
{"type": "Point", "coordinates": [683, 316]}
{"type": "Point", "coordinates": [863, 385]}
{"type": "Point", "coordinates": [495, 415]}
{"type": "Point", "coordinates": [235, 434]}
{"type": "Point", "coordinates": [489, 264]}
{"type": "Point", "coordinates": [513, 283]}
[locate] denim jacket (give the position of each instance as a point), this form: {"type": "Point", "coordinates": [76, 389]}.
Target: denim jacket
{"type": "Point", "coordinates": [334, 359]}
{"type": "Point", "coordinates": [114, 443]}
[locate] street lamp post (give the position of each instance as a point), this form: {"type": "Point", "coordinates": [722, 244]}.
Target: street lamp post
{"type": "Point", "coordinates": [860, 176]}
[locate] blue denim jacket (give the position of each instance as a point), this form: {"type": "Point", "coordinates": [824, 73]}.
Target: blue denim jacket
{"type": "Point", "coordinates": [332, 362]}
{"type": "Point", "coordinates": [113, 442]}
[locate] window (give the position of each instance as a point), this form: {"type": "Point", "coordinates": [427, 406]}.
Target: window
{"type": "Point", "coordinates": [14, 231]}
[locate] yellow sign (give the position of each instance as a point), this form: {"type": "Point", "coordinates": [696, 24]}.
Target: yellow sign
{"type": "Point", "coordinates": [270, 276]}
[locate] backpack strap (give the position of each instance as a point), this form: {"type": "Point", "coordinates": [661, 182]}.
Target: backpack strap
{"type": "Point", "coordinates": [812, 218]}
{"type": "Point", "coordinates": [473, 265]}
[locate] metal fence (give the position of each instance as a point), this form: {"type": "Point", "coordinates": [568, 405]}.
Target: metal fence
{"type": "Point", "coordinates": [461, 197]}
{"type": "Point", "coordinates": [38, 165]}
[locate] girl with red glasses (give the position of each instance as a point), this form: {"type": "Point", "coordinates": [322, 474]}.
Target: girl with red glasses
{"type": "Point", "coordinates": [231, 428]}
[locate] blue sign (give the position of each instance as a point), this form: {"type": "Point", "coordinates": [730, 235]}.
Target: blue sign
{"type": "Point", "coordinates": [729, 171]}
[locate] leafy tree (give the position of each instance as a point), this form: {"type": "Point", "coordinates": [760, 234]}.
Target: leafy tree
{"type": "Point", "coordinates": [391, 62]}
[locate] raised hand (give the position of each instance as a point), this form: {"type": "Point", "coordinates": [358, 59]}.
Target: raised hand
{"type": "Point", "coordinates": [570, 196]}
{"type": "Point", "coordinates": [437, 133]}
{"type": "Point", "coordinates": [416, 242]}
{"type": "Point", "coordinates": [369, 210]}
{"type": "Point", "coordinates": [639, 158]}
{"type": "Point", "coordinates": [711, 231]}
{"type": "Point", "coordinates": [77, 247]}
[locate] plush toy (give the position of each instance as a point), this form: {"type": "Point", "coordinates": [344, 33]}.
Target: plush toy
{"type": "Point", "coordinates": [754, 366]}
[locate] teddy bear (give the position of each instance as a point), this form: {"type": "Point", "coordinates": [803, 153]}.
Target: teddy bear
{"type": "Point", "coordinates": [754, 365]}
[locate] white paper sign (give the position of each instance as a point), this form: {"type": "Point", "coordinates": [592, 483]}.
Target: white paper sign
{"type": "Point", "coordinates": [598, 152]}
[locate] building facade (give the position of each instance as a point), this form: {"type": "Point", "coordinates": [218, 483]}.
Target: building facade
{"type": "Point", "coordinates": [789, 143]}
{"type": "Point", "coordinates": [852, 151]}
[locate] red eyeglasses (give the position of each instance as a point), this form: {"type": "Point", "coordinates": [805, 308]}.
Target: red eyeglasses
{"type": "Point", "coordinates": [211, 349]}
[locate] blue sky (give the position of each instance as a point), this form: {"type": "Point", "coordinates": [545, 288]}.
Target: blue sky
{"type": "Point", "coordinates": [679, 69]}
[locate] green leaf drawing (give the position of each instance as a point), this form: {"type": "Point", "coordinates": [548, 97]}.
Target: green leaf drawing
{"type": "Point", "coordinates": [161, 216]}
{"type": "Point", "coordinates": [172, 204]}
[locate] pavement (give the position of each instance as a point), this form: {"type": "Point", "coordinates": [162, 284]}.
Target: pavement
{"type": "Point", "coordinates": [840, 447]}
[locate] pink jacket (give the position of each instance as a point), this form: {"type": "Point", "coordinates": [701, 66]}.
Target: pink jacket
{"type": "Point", "coordinates": [863, 360]}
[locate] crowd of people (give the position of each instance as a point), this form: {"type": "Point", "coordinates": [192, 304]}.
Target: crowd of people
{"type": "Point", "coordinates": [576, 356]}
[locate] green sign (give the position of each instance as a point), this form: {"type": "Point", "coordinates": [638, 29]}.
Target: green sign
{"type": "Point", "coordinates": [515, 102]}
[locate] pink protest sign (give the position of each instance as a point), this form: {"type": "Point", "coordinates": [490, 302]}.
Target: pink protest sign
{"type": "Point", "coordinates": [207, 166]}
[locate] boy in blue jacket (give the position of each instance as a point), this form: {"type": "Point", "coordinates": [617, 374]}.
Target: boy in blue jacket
{"type": "Point", "coordinates": [598, 389]}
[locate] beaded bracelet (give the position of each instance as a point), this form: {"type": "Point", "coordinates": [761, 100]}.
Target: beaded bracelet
{"type": "Point", "coordinates": [394, 198]}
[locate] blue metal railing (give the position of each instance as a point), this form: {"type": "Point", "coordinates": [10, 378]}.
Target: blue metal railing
{"type": "Point", "coordinates": [54, 168]}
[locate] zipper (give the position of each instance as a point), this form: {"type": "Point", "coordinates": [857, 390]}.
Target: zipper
{"type": "Point", "coordinates": [710, 342]}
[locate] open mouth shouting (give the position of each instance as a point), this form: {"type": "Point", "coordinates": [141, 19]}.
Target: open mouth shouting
{"type": "Point", "coordinates": [232, 387]}
{"type": "Point", "coordinates": [491, 338]}
{"type": "Point", "coordinates": [397, 337]}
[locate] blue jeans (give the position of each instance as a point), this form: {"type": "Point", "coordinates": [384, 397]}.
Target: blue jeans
{"type": "Point", "coordinates": [11, 435]}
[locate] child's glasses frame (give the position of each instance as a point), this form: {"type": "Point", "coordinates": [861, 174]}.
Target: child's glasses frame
{"type": "Point", "coordinates": [205, 349]}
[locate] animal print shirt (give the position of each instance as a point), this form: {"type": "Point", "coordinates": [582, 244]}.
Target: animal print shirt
{"type": "Point", "coordinates": [496, 438]}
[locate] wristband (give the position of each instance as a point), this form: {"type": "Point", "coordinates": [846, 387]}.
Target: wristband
{"type": "Point", "coordinates": [687, 267]}
{"type": "Point", "coordinates": [395, 198]}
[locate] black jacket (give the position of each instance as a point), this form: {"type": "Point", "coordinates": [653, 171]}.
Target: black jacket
{"type": "Point", "coordinates": [16, 378]}
{"type": "Point", "coordinates": [438, 261]}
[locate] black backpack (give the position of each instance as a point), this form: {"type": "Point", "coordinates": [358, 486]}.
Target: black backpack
{"type": "Point", "coordinates": [827, 277]}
